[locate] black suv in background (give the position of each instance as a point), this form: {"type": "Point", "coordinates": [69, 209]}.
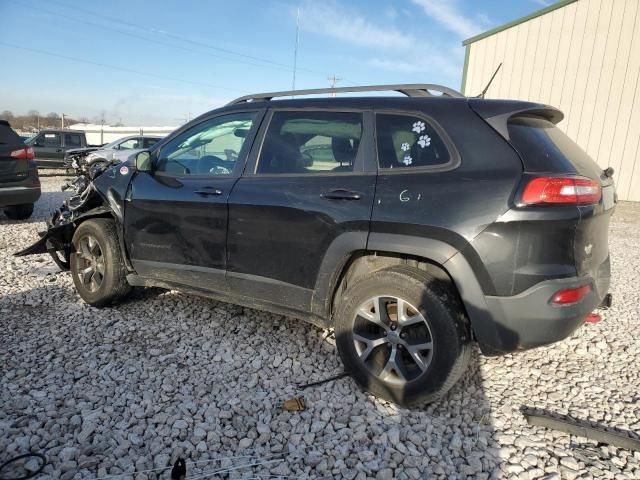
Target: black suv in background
{"type": "Point", "coordinates": [50, 145]}
{"type": "Point", "coordinates": [19, 182]}
{"type": "Point", "coordinates": [412, 226]}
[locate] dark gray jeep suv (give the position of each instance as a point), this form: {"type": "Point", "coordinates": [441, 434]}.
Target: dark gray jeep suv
{"type": "Point", "coordinates": [412, 226]}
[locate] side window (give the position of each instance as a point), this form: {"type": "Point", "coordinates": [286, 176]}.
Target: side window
{"type": "Point", "coordinates": [209, 148]}
{"type": "Point", "coordinates": [311, 142]}
{"type": "Point", "coordinates": [130, 144]}
{"type": "Point", "coordinates": [49, 140]}
{"type": "Point", "coordinates": [405, 141]}
{"type": "Point", "coordinates": [72, 140]}
{"type": "Point", "coordinates": [148, 142]}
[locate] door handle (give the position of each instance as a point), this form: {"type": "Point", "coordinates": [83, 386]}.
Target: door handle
{"type": "Point", "coordinates": [59, 150]}
{"type": "Point", "coordinates": [206, 191]}
{"type": "Point", "coordinates": [341, 194]}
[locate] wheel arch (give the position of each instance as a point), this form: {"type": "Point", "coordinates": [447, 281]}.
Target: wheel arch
{"type": "Point", "coordinates": [437, 257]}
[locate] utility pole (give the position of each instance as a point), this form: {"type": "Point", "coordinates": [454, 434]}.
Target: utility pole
{"type": "Point", "coordinates": [333, 79]}
{"type": "Point", "coordinates": [62, 122]}
{"type": "Point", "coordinates": [295, 50]}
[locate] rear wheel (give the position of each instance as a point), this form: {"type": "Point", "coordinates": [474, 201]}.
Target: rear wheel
{"type": "Point", "coordinates": [402, 335]}
{"type": "Point", "coordinates": [19, 212]}
{"type": "Point", "coordinates": [97, 266]}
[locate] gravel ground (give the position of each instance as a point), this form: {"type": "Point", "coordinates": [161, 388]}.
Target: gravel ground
{"type": "Point", "coordinates": [110, 391]}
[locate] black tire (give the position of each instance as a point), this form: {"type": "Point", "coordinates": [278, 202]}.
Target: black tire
{"type": "Point", "coordinates": [111, 285]}
{"type": "Point", "coordinates": [19, 212]}
{"type": "Point", "coordinates": [427, 300]}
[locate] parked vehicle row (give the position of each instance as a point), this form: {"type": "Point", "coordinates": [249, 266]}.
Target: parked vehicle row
{"type": "Point", "coordinates": [53, 147]}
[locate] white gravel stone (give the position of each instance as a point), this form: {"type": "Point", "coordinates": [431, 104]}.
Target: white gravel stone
{"type": "Point", "coordinates": [108, 391]}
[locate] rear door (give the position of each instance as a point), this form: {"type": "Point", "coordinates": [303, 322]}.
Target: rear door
{"type": "Point", "coordinates": [176, 215]}
{"type": "Point", "coordinates": [303, 190]}
{"type": "Point", "coordinates": [72, 140]}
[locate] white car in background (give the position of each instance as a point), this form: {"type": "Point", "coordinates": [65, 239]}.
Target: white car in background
{"type": "Point", "coordinates": [120, 149]}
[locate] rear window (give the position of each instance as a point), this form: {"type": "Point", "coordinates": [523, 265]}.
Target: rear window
{"type": "Point", "coordinates": [72, 140]}
{"type": "Point", "coordinates": [545, 148]}
{"type": "Point", "coordinates": [148, 142]}
{"type": "Point", "coordinates": [405, 142]}
{"type": "Point", "coordinates": [8, 136]}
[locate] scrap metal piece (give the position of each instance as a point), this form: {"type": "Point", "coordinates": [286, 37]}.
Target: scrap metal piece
{"type": "Point", "coordinates": [326, 380]}
{"type": "Point", "coordinates": [179, 470]}
{"type": "Point", "coordinates": [294, 405]}
{"type": "Point", "coordinates": [579, 428]}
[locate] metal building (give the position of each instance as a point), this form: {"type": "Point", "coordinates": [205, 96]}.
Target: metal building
{"type": "Point", "coordinates": [582, 56]}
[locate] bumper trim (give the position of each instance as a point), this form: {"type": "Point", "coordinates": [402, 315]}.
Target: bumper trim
{"type": "Point", "coordinates": [18, 195]}
{"type": "Point", "coordinates": [528, 320]}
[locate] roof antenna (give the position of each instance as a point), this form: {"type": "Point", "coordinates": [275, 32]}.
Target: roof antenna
{"type": "Point", "coordinates": [490, 81]}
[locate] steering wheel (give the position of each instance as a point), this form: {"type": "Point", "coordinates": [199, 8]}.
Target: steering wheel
{"type": "Point", "coordinates": [213, 164]}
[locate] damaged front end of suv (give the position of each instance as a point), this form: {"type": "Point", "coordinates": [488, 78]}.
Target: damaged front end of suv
{"type": "Point", "coordinates": [99, 191]}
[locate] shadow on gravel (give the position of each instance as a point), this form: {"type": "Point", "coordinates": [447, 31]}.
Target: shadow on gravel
{"type": "Point", "coordinates": [109, 391]}
{"type": "Point", "coordinates": [46, 204]}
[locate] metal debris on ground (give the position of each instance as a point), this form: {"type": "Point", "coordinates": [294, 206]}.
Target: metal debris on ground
{"type": "Point", "coordinates": [578, 428]}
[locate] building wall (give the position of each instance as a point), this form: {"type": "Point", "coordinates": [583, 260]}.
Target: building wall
{"type": "Point", "coordinates": [583, 58]}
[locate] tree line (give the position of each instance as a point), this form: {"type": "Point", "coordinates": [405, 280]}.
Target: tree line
{"type": "Point", "coordinates": [34, 121]}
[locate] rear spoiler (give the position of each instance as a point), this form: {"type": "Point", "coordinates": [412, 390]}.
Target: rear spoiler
{"type": "Point", "coordinates": [498, 112]}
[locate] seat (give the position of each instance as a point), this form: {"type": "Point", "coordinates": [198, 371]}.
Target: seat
{"type": "Point", "coordinates": [281, 154]}
{"type": "Point", "coordinates": [344, 152]}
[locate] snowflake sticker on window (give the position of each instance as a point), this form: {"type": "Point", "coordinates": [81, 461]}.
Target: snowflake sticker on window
{"type": "Point", "coordinates": [405, 146]}
{"type": "Point", "coordinates": [407, 160]}
{"type": "Point", "coordinates": [424, 141]}
{"type": "Point", "coordinates": [418, 127]}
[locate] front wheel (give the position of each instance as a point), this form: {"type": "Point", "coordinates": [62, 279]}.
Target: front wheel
{"type": "Point", "coordinates": [97, 266]}
{"type": "Point", "coordinates": [402, 335]}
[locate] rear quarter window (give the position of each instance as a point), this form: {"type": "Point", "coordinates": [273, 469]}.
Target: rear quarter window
{"type": "Point", "coordinates": [406, 141]}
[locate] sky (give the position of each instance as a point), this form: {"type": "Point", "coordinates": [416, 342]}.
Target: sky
{"type": "Point", "coordinates": [161, 62]}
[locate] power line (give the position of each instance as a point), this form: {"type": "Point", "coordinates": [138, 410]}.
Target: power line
{"type": "Point", "coordinates": [183, 39]}
{"type": "Point", "coordinates": [116, 67]}
{"type": "Point", "coordinates": [159, 42]}
{"type": "Point", "coordinates": [194, 42]}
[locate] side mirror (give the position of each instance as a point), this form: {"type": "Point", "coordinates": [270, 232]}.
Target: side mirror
{"type": "Point", "coordinates": [143, 161]}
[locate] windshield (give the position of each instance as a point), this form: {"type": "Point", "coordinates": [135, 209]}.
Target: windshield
{"type": "Point", "coordinates": [112, 145]}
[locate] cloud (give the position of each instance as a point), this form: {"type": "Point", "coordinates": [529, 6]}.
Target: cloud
{"type": "Point", "coordinates": [348, 25]}
{"type": "Point", "coordinates": [446, 13]}
{"type": "Point", "coordinates": [448, 66]}
{"type": "Point", "coordinates": [542, 3]}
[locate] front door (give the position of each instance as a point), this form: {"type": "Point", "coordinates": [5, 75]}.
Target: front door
{"type": "Point", "coordinates": [176, 215]}
{"type": "Point", "coordinates": [308, 187]}
{"type": "Point", "coordinates": [48, 149]}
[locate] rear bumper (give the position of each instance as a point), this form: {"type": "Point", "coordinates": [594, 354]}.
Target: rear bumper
{"type": "Point", "coordinates": [18, 195]}
{"type": "Point", "coordinates": [530, 320]}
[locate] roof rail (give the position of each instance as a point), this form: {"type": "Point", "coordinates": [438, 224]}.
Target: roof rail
{"type": "Point", "coordinates": [408, 89]}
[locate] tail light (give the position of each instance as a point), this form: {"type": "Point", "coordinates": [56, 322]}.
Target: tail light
{"type": "Point", "coordinates": [25, 153]}
{"type": "Point", "coordinates": [569, 296]}
{"type": "Point", "coordinates": [561, 191]}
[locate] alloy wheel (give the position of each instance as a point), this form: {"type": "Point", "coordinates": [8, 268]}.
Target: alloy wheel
{"type": "Point", "coordinates": [90, 263]}
{"type": "Point", "coordinates": [392, 339]}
